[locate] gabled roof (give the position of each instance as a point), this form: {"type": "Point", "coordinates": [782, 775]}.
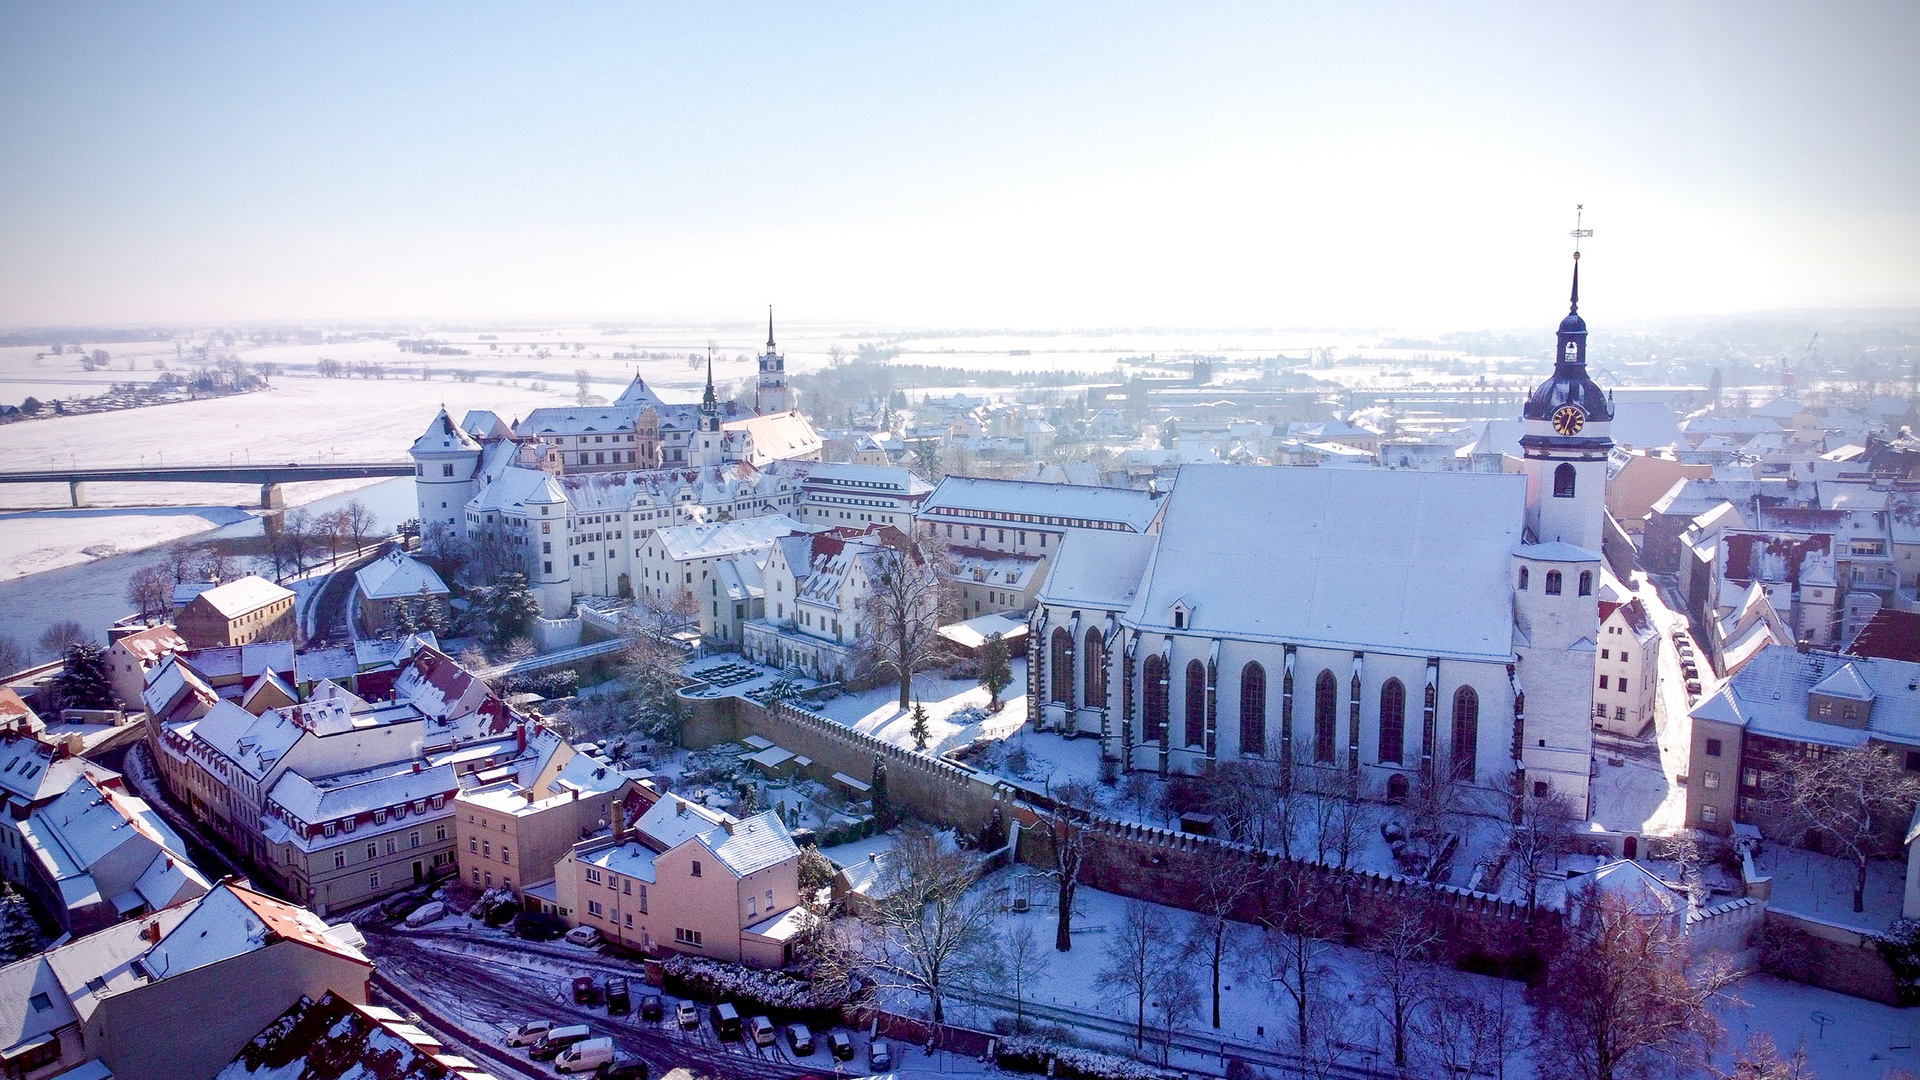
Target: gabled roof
{"type": "Point", "coordinates": [244, 596]}
{"type": "Point", "coordinates": [443, 436]}
{"type": "Point", "coordinates": [725, 538]}
{"type": "Point", "coordinates": [1769, 696]}
{"type": "Point", "coordinates": [334, 1039]}
{"type": "Point", "coordinates": [1098, 569]}
{"type": "Point", "coordinates": [14, 712]}
{"type": "Point", "coordinates": [32, 770]}
{"type": "Point", "coordinates": [232, 920]}
{"type": "Point", "coordinates": [396, 576]}
{"type": "Point", "coordinates": [1844, 682]}
{"type": "Point", "coordinates": [751, 844]}
{"type": "Point", "coordinates": [149, 646]}
{"type": "Point", "coordinates": [1633, 887]}
{"type": "Point", "coordinates": [1889, 635]}
{"type": "Point", "coordinates": [955, 495]}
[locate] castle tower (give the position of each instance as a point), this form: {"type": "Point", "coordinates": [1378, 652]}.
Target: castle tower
{"type": "Point", "coordinates": [1567, 442]}
{"type": "Point", "coordinates": [772, 394]}
{"type": "Point", "coordinates": [445, 462]}
{"type": "Point", "coordinates": [551, 576]}
{"type": "Point", "coordinates": [708, 442]}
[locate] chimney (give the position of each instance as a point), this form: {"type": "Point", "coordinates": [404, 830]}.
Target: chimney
{"type": "Point", "coordinates": [680, 807]}
{"type": "Point", "coordinates": [576, 794]}
{"type": "Point", "coordinates": [520, 738]}
{"type": "Point", "coordinates": [873, 856]}
{"type": "Point", "coordinates": [150, 931]}
{"type": "Point", "coordinates": [619, 812]}
{"type": "Point", "coordinates": [416, 766]}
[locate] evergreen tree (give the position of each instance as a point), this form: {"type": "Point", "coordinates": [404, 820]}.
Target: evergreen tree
{"type": "Point", "coordinates": [996, 670]}
{"type": "Point", "coordinates": [921, 731]}
{"type": "Point", "coordinates": [83, 683]}
{"type": "Point", "coordinates": [20, 934]}
{"type": "Point", "coordinates": [883, 815]}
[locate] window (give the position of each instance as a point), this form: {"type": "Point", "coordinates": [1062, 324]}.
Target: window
{"type": "Point", "coordinates": [393, 844]}
{"type": "Point", "coordinates": [504, 856]}
{"type": "Point", "coordinates": [1154, 716]}
{"type": "Point", "coordinates": [40, 1002]}
{"type": "Point", "coordinates": [1563, 482]}
{"type": "Point", "coordinates": [476, 875]}
{"type": "Point", "coordinates": [1603, 682]}
{"type": "Point", "coordinates": [643, 898]}
{"type": "Point", "coordinates": [1713, 747]}
{"type": "Point", "coordinates": [339, 860]}
{"type": "Point", "coordinates": [1540, 789]}
{"type": "Point", "coordinates": [593, 875]}
{"type": "Point", "coordinates": [1586, 583]}
{"type": "Point", "coordinates": [1094, 658]}
{"type": "Point", "coordinates": [1466, 732]}
{"type": "Point", "coordinates": [1553, 583]}
{"type": "Point", "coordinates": [1913, 761]}
{"type": "Point", "coordinates": [626, 886]}
{"type": "Point", "coordinates": [696, 868]}
{"type": "Point", "coordinates": [594, 908]}
{"type": "Point", "coordinates": [1061, 658]}
{"type": "Point", "coordinates": [1603, 654]}
{"type": "Point", "coordinates": [1196, 703]}
{"type": "Point", "coordinates": [1625, 656]}
{"type": "Point", "coordinates": [1326, 701]}
{"type": "Point", "coordinates": [486, 849]}
{"type": "Point", "coordinates": [629, 920]}
{"type": "Point", "coordinates": [1253, 709]}
{"type": "Point", "coordinates": [1523, 579]}
{"type": "Point", "coordinates": [413, 838]}
{"type": "Point", "coordinates": [373, 880]}
{"type": "Point", "coordinates": [1393, 721]}
{"type": "Point", "coordinates": [1710, 780]}
{"type": "Point", "coordinates": [769, 899]}
{"type": "Point", "coordinates": [446, 470]}
{"type": "Point", "coordinates": [684, 936]}
{"type": "Point", "coordinates": [1750, 778]}
{"type": "Point", "coordinates": [373, 851]}
{"type": "Point", "coordinates": [1709, 814]}
{"type": "Point", "coordinates": [439, 831]}
{"type": "Point", "coordinates": [1179, 620]}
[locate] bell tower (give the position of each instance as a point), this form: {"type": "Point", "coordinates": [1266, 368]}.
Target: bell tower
{"type": "Point", "coordinates": [772, 394]}
{"type": "Point", "coordinates": [707, 438]}
{"type": "Point", "coordinates": [1567, 438]}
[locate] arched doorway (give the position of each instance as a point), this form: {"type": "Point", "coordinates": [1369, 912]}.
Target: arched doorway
{"type": "Point", "coordinates": [1630, 847]}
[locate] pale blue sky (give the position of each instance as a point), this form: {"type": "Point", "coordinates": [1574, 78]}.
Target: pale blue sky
{"type": "Point", "coordinates": [1030, 165]}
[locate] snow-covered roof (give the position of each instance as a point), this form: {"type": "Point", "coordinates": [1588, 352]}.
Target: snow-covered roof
{"type": "Point", "coordinates": [972, 498]}
{"type": "Point", "coordinates": [632, 858]}
{"type": "Point", "coordinates": [151, 645]}
{"type": "Point", "coordinates": [725, 538]}
{"type": "Point", "coordinates": [1644, 424]}
{"type": "Point", "coordinates": [396, 575]}
{"type": "Point", "coordinates": [775, 436]}
{"type": "Point", "coordinates": [974, 632]}
{"type": "Point", "coordinates": [1396, 560]}
{"type": "Point", "coordinates": [34, 770]}
{"type": "Point", "coordinates": [97, 842]}
{"type": "Point", "coordinates": [891, 480]}
{"type": "Point", "coordinates": [443, 436]}
{"type": "Point", "coordinates": [1556, 551]}
{"type": "Point", "coordinates": [674, 820]}
{"type": "Point", "coordinates": [335, 1039]}
{"type": "Point", "coordinates": [1098, 569]}
{"type": "Point", "coordinates": [1769, 696]}
{"type": "Point", "coordinates": [241, 661]}
{"type": "Point", "coordinates": [245, 595]}
{"type": "Point", "coordinates": [336, 797]}
{"type": "Point", "coordinates": [1633, 887]}
{"type": "Point", "coordinates": [338, 662]}
{"type": "Point", "coordinates": [751, 844]}
{"type": "Point", "coordinates": [232, 920]}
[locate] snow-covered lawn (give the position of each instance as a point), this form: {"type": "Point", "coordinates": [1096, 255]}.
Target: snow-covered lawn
{"type": "Point", "coordinates": [1863, 1039]}
{"type": "Point", "coordinates": [956, 711]}
{"type": "Point", "coordinates": [1821, 887]}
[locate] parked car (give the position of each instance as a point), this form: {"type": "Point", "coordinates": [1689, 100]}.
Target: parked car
{"type": "Point", "coordinates": [652, 1008]}
{"type": "Point", "coordinates": [762, 1030]}
{"type": "Point", "coordinates": [584, 935]}
{"type": "Point", "coordinates": [529, 1033]}
{"type": "Point", "coordinates": [879, 1057]}
{"type": "Point", "coordinates": [619, 998]}
{"type": "Point", "coordinates": [726, 1020]}
{"type": "Point", "coordinates": [687, 1015]}
{"type": "Point", "coordinates": [800, 1039]}
{"type": "Point", "coordinates": [623, 1068]}
{"type": "Point", "coordinates": [426, 913]}
{"type": "Point", "coordinates": [840, 1045]}
{"type": "Point", "coordinates": [585, 1056]}
{"type": "Point", "coordinates": [557, 1040]}
{"type": "Point", "coordinates": [585, 990]}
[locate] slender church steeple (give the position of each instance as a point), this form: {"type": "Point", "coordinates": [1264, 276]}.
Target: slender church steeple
{"type": "Point", "coordinates": [1566, 441]}
{"type": "Point", "coordinates": [708, 445]}
{"type": "Point", "coordinates": [772, 394]}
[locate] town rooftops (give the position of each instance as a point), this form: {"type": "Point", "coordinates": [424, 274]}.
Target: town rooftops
{"type": "Point", "coordinates": [334, 1039]}
{"type": "Point", "coordinates": [726, 538]}
{"type": "Point", "coordinates": [1098, 569]}
{"type": "Point", "coordinates": [396, 575]}
{"type": "Point", "coordinates": [151, 645]}
{"type": "Point", "coordinates": [232, 920]}
{"type": "Point", "coordinates": [244, 596]}
{"type": "Point", "coordinates": [15, 715]}
{"type": "Point", "coordinates": [975, 499]}
{"type": "Point", "coordinates": [1395, 560]}
{"type": "Point", "coordinates": [32, 770]}
{"type": "Point", "coordinates": [1889, 635]}
{"type": "Point", "coordinates": [346, 795]}
{"type": "Point", "coordinates": [751, 844]}
{"type": "Point", "coordinates": [1769, 696]}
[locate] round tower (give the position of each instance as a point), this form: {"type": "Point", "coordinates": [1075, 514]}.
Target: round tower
{"type": "Point", "coordinates": [445, 462]}
{"type": "Point", "coordinates": [551, 575]}
{"type": "Point", "coordinates": [1567, 441]}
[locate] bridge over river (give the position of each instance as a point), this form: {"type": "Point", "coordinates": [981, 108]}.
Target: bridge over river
{"type": "Point", "coordinates": [268, 477]}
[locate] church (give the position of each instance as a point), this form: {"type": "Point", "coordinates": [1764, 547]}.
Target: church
{"type": "Point", "coordinates": [564, 494]}
{"type": "Point", "coordinates": [1395, 624]}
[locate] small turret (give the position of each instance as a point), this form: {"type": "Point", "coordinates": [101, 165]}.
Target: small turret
{"type": "Point", "coordinates": [445, 462]}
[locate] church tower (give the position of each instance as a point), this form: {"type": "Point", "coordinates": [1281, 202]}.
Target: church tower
{"type": "Point", "coordinates": [1567, 442]}
{"type": "Point", "coordinates": [772, 395]}
{"type": "Point", "coordinates": [708, 441]}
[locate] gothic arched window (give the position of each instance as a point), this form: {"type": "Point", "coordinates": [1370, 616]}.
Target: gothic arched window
{"type": "Point", "coordinates": [1253, 709]}
{"type": "Point", "coordinates": [1466, 732]}
{"type": "Point", "coordinates": [1563, 482]}
{"type": "Point", "coordinates": [1062, 664]}
{"type": "Point", "coordinates": [1154, 712]}
{"type": "Point", "coordinates": [1094, 656]}
{"type": "Point", "coordinates": [1393, 720]}
{"type": "Point", "coordinates": [1196, 703]}
{"type": "Point", "coordinates": [1586, 583]}
{"type": "Point", "coordinates": [1553, 583]}
{"type": "Point", "coordinates": [1523, 579]}
{"type": "Point", "coordinates": [1326, 700]}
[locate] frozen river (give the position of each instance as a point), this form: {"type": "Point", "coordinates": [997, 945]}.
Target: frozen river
{"type": "Point", "coordinates": [94, 594]}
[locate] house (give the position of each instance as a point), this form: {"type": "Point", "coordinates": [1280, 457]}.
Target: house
{"type": "Point", "coordinates": [1639, 482]}
{"type": "Point", "coordinates": [248, 609]}
{"type": "Point", "coordinates": [987, 581]}
{"type": "Point", "coordinates": [16, 716]}
{"type": "Point", "coordinates": [1784, 701]}
{"type": "Point", "coordinates": [1027, 519]}
{"type": "Point", "coordinates": [509, 835]}
{"type": "Point", "coordinates": [684, 568]}
{"type": "Point", "coordinates": [133, 656]}
{"type": "Point", "coordinates": [391, 583]}
{"type": "Point", "coordinates": [859, 495]}
{"type": "Point", "coordinates": [88, 849]}
{"type": "Point", "coordinates": [688, 879]}
{"type": "Point", "coordinates": [175, 994]}
{"type": "Point", "coordinates": [1628, 668]}
{"type": "Point", "coordinates": [817, 590]}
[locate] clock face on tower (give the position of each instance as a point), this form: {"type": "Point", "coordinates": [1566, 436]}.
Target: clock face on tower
{"type": "Point", "coordinates": [1569, 419]}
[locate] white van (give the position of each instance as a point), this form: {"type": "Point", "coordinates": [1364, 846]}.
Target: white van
{"type": "Point", "coordinates": [585, 1056]}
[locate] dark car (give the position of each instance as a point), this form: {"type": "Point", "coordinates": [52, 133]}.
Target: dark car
{"type": "Point", "coordinates": [619, 998]}
{"type": "Point", "coordinates": [585, 991]}
{"type": "Point", "coordinates": [623, 1068]}
{"type": "Point", "coordinates": [652, 1008]}
{"type": "Point", "coordinates": [841, 1044]}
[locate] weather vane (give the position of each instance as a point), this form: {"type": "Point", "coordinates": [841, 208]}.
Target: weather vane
{"type": "Point", "coordinates": [1578, 233]}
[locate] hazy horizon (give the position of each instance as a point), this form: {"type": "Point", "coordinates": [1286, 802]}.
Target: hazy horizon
{"type": "Point", "coordinates": [1394, 168]}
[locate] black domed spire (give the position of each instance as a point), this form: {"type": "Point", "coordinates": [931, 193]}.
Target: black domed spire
{"type": "Point", "coordinates": [1570, 384]}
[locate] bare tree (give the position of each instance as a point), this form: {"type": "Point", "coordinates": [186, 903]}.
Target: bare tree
{"type": "Point", "coordinates": [61, 636]}
{"type": "Point", "coordinates": [1294, 954]}
{"type": "Point", "coordinates": [1618, 1002]}
{"type": "Point", "coordinates": [1761, 1060]}
{"type": "Point", "coordinates": [1253, 800]}
{"type": "Point", "coordinates": [331, 528]}
{"type": "Point", "coordinates": [1851, 800]}
{"type": "Point", "coordinates": [583, 387]}
{"type": "Point", "coordinates": [183, 563]}
{"type": "Point", "coordinates": [1176, 999]}
{"type": "Point", "coordinates": [1022, 963]}
{"type": "Point", "coordinates": [360, 523]}
{"type": "Point", "coordinates": [1462, 1033]}
{"type": "Point", "coordinates": [13, 656]}
{"type": "Point", "coordinates": [1067, 830]}
{"type": "Point", "coordinates": [1400, 975]}
{"type": "Point", "coordinates": [900, 615]}
{"type": "Point", "coordinates": [1227, 878]}
{"type": "Point", "coordinates": [150, 589]}
{"type": "Point", "coordinates": [1139, 953]}
{"type": "Point", "coordinates": [1539, 832]}
{"type": "Point", "coordinates": [929, 933]}
{"type": "Point", "coordinates": [1341, 815]}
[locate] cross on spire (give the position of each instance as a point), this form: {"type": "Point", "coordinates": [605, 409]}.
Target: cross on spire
{"type": "Point", "coordinates": [1578, 234]}
{"type": "Point", "coordinates": [769, 328]}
